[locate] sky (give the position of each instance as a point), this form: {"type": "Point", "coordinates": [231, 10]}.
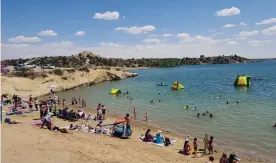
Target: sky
{"type": "Point", "coordinates": [138, 28]}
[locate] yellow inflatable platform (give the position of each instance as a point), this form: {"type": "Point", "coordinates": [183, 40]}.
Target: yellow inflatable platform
{"type": "Point", "coordinates": [242, 81]}
{"type": "Point", "coordinates": [115, 91]}
{"type": "Point", "coordinates": [177, 86]}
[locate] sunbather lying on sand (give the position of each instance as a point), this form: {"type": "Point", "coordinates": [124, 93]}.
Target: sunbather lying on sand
{"type": "Point", "coordinates": [9, 121]}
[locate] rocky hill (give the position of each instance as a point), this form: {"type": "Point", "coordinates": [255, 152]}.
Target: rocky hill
{"type": "Point", "coordinates": [90, 59]}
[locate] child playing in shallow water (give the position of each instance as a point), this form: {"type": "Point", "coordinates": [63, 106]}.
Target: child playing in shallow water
{"type": "Point", "coordinates": [147, 117]}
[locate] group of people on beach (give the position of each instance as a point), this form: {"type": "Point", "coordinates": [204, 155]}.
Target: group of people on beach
{"type": "Point", "coordinates": [82, 102]}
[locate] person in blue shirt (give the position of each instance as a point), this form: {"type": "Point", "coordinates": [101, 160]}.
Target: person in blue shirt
{"type": "Point", "coordinates": [158, 138]}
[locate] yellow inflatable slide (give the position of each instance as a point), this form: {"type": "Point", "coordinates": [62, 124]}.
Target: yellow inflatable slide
{"type": "Point", "coordinates": [177, 85]}
{"type": "Point", "coordinates": [115, 91]}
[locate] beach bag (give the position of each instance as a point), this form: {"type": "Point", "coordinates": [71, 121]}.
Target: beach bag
{"type": "Point", "coordinates": [167, 142]}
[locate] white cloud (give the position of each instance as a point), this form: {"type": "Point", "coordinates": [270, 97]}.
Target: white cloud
{"type": "Point", "coordinates": [199, 45]}
{"type": "Point", "coordinates": [167, 35]}
{"type": "Point", "coordinates": [258, 42]}
{"type": "Point", "coordinates": [123, 17]}
{"type": "Point", "coordinates": [232, 43]}
{"type": "Point", "coordinates": [267, 21]}
{"type": "Point", "coordinates": [216, 34]}
{"type": "Point", "coordinates": [244, 34]}
{"type": "Point", "coordinates": [107, 15]}
{"type": "Point", "coordinates": [183, 35]}
{"type": "Point", "coordinates": [47, 33]}
{"type": "Point", "coordinates": [79, 33]}
{"type": "Point", "coordinates": [243, 24]}
{"type": "Point", "coordinates": [151, 40]}
{"type": "Point", "coordinates": [63, 43]}
{"type": "Point", "coordinates": [228, 11]}
{"type": "Point", "coordinates": [228, 26]}
{"type": "Point", "coordinates": [14, 45]}
{"type": "Point", "coordinates": [136, 29]}
{"type": "Point", "coordinates": [110, 44]}
{"type": "Point", "coordinates": [23, 39]}
{"type": "Point", "coordinates": [270, 30]}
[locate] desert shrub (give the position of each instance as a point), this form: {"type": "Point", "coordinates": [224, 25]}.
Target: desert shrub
{"type": "Point", "coordinates": [117, 69]}
{"type": "Point", "coordinates": [44, 75]}
{"type": "Point", "coordinates": [71, 70]}
{"type": "Point", "coordinates": [85, 69]}
{"type": "Point", "coordinates": [64, 78]}
{"type": "Point", "coordinates": [58, 72]}
{"type": "Point", "coordinates": [107, 68]}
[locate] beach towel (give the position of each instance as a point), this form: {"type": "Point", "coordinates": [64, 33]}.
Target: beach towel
{"type": "Point", "coordinates": [160, 145]}
{"type": "Point", "coordinates": [36, 123]}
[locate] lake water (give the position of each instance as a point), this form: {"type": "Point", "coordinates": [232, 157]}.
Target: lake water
{"type": "Point", "coordinates": [245, 126]}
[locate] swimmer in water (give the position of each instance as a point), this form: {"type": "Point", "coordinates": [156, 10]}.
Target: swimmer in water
{"type": "Point", "coordinates": [219, 96]}
{"type": "Point", "coordinates": [274, 125]}
{"type": "Point", "coordinates": [151, 101]}
{"type": "Point", "coordinates": [237, 102]}
{"type": "Point", "coordinates": [126, 92]}
{"type": "Point", "coordinates": [203, 114]}
{"type": "Point", "coordinates": [211, 116]}
{"type": "Point", "coordinates": [207, 112]}
{"type": "Point", "coordinates": [194, 109]}
{"type": "Point", "coordinates": [198, 114]}
{"type": "Point", "coordinates": [159, 100]}
{"type": "Point", "coordinates": [227, 102]}
{"type": "Point", "coordinates": [159, 93]}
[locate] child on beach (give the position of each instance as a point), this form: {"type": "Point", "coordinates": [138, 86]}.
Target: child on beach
{"type": "Point", "coordinates": [195, 144]}
{"type": "Point", "coordinates": [211, 147]}
{"type": "Point", "coordinates": [206, 141]}
{"type": "Point", "coordinates": [134, 111]}
{"type": "Point", "coordinates": [147, 117]}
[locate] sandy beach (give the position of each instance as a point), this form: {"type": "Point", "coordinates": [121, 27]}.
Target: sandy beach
{"type": "Point", "coordinates": [25, 143]}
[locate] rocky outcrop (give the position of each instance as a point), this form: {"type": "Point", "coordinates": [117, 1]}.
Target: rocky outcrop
{"type": "Point", "coordinates": [41, 86]}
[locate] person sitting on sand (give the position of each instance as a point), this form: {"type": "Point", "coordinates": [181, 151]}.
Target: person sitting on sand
{"type": "Point", "coordinates": [211, 159]}
{"type": "Point", "coordinates": [223, 159]}
{"type": "Point", "coordinates": [186, 148]}
{"type": "Point", "coordinates": [98, 128]}
{"type": "Point", "coordinates": [148, 137]}
{"type": "Point", "coordinates": [158, 138]}
{"type": "Point", "coordinates": [210, 145]}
